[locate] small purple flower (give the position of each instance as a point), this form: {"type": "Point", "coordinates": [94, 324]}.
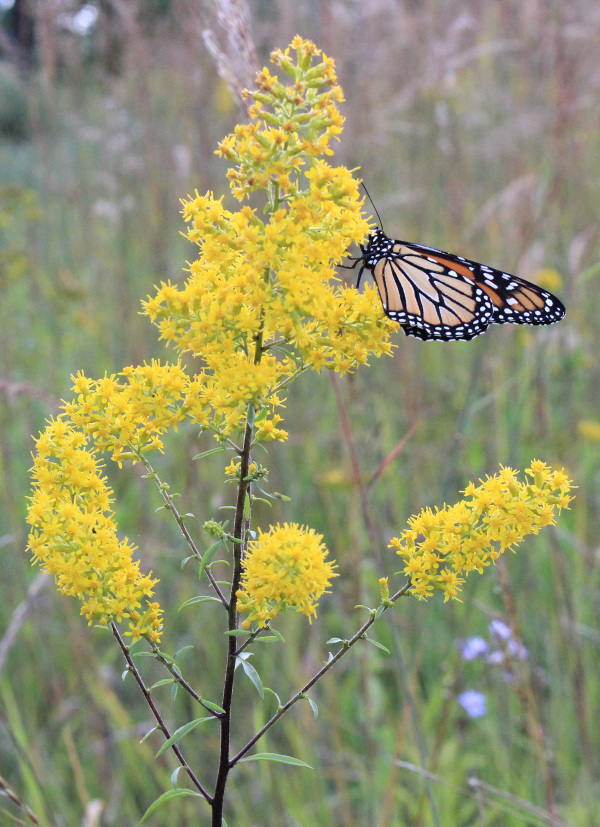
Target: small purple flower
{"type": "Point", "coordinates": [473, 703]}
{"type": "Point", "coordinates": [473, 647]}
{"type": "Point", "coordinates": [500, 629]}
{"type": "Point", "coordinates": [516, 648]}
{"type": "Point", "coordinates": [495, 657]}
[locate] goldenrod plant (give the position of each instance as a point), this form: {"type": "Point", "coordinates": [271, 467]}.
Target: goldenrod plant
{"type": "Point", "coordinates": [260, 307]}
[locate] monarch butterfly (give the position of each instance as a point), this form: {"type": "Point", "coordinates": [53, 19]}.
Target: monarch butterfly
{"type": "Point", "coordinates": [439, 296]}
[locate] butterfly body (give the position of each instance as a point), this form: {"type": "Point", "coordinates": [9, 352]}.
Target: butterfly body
{"type": "Point", "coordinates": [439, 296]}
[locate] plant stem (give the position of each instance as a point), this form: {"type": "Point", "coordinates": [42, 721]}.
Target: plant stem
{"type": "Point", "coordinates": [347, 645]}
{"type": "Point", "coordinates": [241, 525]}
{"type": "Point", "coordinates": [181, 681]}
{"type": "Point", "coordinates": [161, 724]}
{"type": "Point", "coordinates": [170, 506]}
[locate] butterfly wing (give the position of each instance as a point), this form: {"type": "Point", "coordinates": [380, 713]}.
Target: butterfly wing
{"type": "Point", "coordinates": [429, 297]}
{"type": "Point", "coordinates": [514, 300]}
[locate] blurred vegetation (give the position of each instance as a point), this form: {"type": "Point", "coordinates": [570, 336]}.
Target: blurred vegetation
{"type": "Point", "coordinates": [476, 129]}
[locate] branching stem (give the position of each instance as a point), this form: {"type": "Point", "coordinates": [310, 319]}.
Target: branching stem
{"type": "Point", "coordinates": [161, 724]}
{"type": "Point", "coordinates": [345, 648]}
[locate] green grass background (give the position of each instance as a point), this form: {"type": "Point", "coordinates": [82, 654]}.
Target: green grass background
{"type": "Point", "coordinates": [475, 126]}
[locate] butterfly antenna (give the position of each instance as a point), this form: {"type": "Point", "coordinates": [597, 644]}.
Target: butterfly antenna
{"type": "Point", "coordinates": [374, 207]}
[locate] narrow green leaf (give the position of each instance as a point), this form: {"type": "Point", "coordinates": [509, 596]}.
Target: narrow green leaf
{"type": "Point", "coordinates": [202, 598]}
{"type": "Point", "coordinates": [160, 508]}
{"type": "Point", "coordinates": [250, 415]}
{"type": "Point", "coordinates": [214, 707]}
{"type": "Point", "coordinates": [164, 655]}
{"type": "Point", "coordinates": [261, 415]}
{"type": "Point", "coordinates": [272, 692]}
{"type": "Point", "coordinates": [236, 632]}
{"type": "Point", "coordinates": [286, 500]}
{"type": "Point", "coordinates": [124, 674]}
{"type": "Point", "coordinates": [268, 639]}
{"type": "Point", "coordinates": [208, 453]}
{"type": "Point", "coordinates": [174, 690]}
{"type": "Point", "coordinates": [161, 683]}
{"type": "Point", "coordinates": [254, 676]}
{"type": "Point", "coordinates": [183, 730]}
{"type": "Point", "coordinates": [167, 797]}
{"type": "Point", "coordinates": [185, 559]}
{"type": "Point", "coordinates": [189, 514]}
{"type": "Point", "coordinates": [360, 606]}
{"type": "Point", "coordinates": [207, 557]}
{"type": "Point", "coordinates": [313, 705]}
{"type": "Point", "coordinates": [379, 645]}
{"type": "Point", "coordinates": [380, 610]}
{"type": "Point", "coordinates": [142, 654]}
{"type": "Point", "coordinates": [334, 640]}
{"type": "Point", "coordinates": [278, 635]}
{"type": "Point", "coordinates": [150, 731]}
{"type": "Point", "coordinates": [184, 649]}
{"type": "Point", "coordinates": [247, 506]}
{"type": "Point", "coordinates": [262, 500]}
{"type": "Point", "coordinates": [174, 775]}
{"type": "Point", "coordinates": [273, 756]}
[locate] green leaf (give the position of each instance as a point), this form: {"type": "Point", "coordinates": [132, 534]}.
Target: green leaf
{"type": "Point", "coordinates": [360, 606]}
{"type": "Point", "coordinates": [253, 675]}
{"type": "Point", "coordinates": [167, 797]}
{"type": "Point", "coordinates": [202, 598]}
{"type": "Point", "coordinates": [278, 635]}
{"type": "Point", "coordinates": [174, 689]}
{"type": "Point", "coordinates": [268, 639]}
{"type": "Point", "coordinates": [262, 500]}
{"type": "Point", "coordinates": [261, 415]}
{"type": "Point", "coordinates": [124, 674]}
{"type": "Point", "coordinates": [189, 514]}
{"type": "Point", "coordinates": [174, 775]}
{"type": "Point", "coordinates": [150, 731]}
{"type": "Point", "coordinates": [214, 707]}
{"type": "Point", "coordinates": [236, 632]}
{"type": "Point", "coordinates": [185, 559]}
{"type": "Point", "coordinates": [380, 610]}
{"type": "Point", "coordinates": [379, 645]}
{"type": "Point", "coordinates": [247, 506]}
{"type": "Point", "coordinates": [184, 649]}
{"type": "Point", "coordinates": [142, 655]}
{"type": "Point", "coordinates": [286, 500]}
{"type": "Point", "coordinates": [161, 683]}
{"type": "Point", "coordinates": [313, 705]}
{"type": "Point", "coordinates": [207, 557]}
{"type": "Point", "coordinates": [208, 453]}
{"type": "Point", "coordinates": [272, 692]}
{"type": "Point", "coordinates": [334, 640]}
{"type": "Point", "coordinates": [183, 730]}
{"type": "Point", "coordinates": [250, 415]}
{"type": "Point", "coordinates": [273, 756]}
{"type": "Point", "coordinates": [164, 655]}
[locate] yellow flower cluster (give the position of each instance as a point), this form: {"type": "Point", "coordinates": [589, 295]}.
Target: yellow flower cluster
{"type": "Point", "coordinates": [284, 567]}
{"type": "Point", "coordinates": [261, 303]}
{"type": "Point", "coordinates": [441, 546]}
{"type": "Point", "coordinates": [134, 413]}
{"type": "Point", "coordinates": [74, 536]}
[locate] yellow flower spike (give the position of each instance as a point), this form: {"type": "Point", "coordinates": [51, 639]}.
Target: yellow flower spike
{"type": "Point", "coordinates": [74, 537]}
{"type": "Point", "coordinates": [285, 567]}
{"type": "Point", "coordinates": [441, 546]}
